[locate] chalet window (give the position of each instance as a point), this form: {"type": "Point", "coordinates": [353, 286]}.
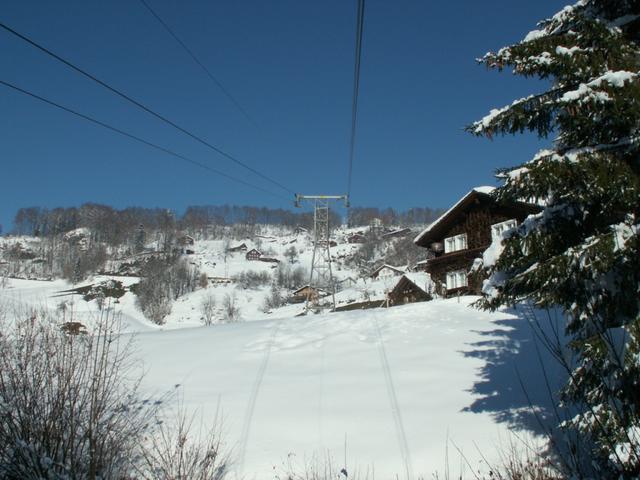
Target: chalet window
{"type": "Point", "coordinates": [456, 279]}
{"type": "Point", "coordinates": [455, 243]}
{"type": "Point", "coordinates": [499, 228]}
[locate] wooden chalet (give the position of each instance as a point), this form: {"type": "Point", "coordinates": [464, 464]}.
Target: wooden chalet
{"type": "Point", "coordinates": [346, 283]}
{"type": "Point", "coordinates": [399, 232]}
{"type": "Point", "coordinates": [462, 234]}
{"type": "Point", "coordinates": [268, 259]}
{"type": "Point", "coordinates": [185, 240]}
{"type": "Point", "coordinates": [356, 238]}
{"type": "Point", "coordinates": [412, 287]}
{"type": "Point", "coordinates": [386, 271]}
{"type": "Point", "coordinates": [253, 255]}
{"type": "Point", "coordinates": [307, 292]}
{"type": "Point", "coordinates": [238, 248]}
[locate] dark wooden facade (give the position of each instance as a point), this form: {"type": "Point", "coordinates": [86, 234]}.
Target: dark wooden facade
{"type": "Point", "coordinates": [474, 216]}
{"type": "Point", "coordinates": [400, 232]}
{"type": "Point", "coordinates": [253, 255]}
{"type": "Point", "coordinates": [406, 291]}
{"type": "Point", "coordinates": [268, 259]}
{"type": "Point", "coordinates": [307, 293]}
{"type": "Point", "coordinates": [239, 248]}
{"type": "Point", "coordinates": [356, 238]}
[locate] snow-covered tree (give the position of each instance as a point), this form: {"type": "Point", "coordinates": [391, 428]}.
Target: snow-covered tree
{"type": "Point", "coordinates": [581, 251]}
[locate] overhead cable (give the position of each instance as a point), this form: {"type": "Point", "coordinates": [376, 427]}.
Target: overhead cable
{"type": "Point", "coordinates": [356, 88]}
{"type": "Point", "coordinates": [193, 56]}
{"type": "Point", "coordinates": [143, 107]}
{"type": "Point", "coordinates": [137, 139]}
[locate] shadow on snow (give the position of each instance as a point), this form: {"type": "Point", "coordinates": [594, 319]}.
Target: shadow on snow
{"type": "Point", "coordinates": [520, 379]}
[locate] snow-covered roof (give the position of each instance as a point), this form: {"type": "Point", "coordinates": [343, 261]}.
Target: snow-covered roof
{"type": "Point", "coordinates": [421, 280]}
{"type": "Point", "coordinates": [397, 269]}
{"type": "Point", "coordinates": [486, 190]}
{"type": "Point", "coordinates": [301, 289]}
{"type": "Point", "coordinates": [77, 233]}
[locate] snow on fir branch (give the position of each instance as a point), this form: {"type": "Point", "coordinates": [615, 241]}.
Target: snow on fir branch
{"type": "Point", "coordinates": [587, 91]}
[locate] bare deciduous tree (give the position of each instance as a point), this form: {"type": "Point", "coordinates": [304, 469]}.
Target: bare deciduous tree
{"type": "Point", "coordinates": [208, 308]}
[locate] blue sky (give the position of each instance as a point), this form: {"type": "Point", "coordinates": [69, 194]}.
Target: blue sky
{"type": "Point", "coordinates": [290, 64]}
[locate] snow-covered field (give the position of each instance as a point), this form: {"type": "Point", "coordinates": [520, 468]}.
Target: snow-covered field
{"type": "Point", "coordinates": [410, 390]}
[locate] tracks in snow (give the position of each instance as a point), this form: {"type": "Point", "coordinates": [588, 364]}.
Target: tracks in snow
{"type": "Point", "coordinates": [253, 397]}
{"type": "Point", "coordinates": [391, 392]}
{"type": "Point", "coordinates": [393, 400]}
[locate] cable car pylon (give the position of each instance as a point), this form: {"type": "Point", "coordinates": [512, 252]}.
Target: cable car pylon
{"type": "Point", "coordinates": [321, 275]}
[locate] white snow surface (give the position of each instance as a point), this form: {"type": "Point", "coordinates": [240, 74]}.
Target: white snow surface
{"type": "Point", "coordinates": [302, 385]}
{"type": "Point", "coordinates": [408, 387]}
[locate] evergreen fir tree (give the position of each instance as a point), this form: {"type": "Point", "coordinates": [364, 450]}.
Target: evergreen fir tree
{"type": "Point", "coordinates": [582, 251]}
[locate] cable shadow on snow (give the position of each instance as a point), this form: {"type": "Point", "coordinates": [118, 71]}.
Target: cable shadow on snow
{"type": "Point", "coordinates": [520, 379]}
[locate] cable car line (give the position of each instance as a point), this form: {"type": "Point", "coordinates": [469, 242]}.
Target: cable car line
{"type": "Point", "coordinates": [143, 107]}
{"type": "Point", "coordinates": [193, 56]}
{"type": "Point", "coordinates": [356, 88]}
{"type": "Point", "coordinates": [136, 138]}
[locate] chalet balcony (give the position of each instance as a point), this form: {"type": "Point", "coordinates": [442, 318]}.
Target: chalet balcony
{"type": "Point", "coordinates": [451, 256]}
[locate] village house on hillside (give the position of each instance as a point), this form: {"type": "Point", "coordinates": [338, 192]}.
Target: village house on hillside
{"type": "Point", "coordinates": [185, 240]}
{"type": "Point", "coordinates": [262, 258]}
{"type": "Point", "coordinates": [398, 232]}
{"type": "Point", "coordinates": [412, 287]}
{"type": "Point", "coordinates": [462, 234]}
{"type": "Point", "coordinates": [238, 248]}
{"type": "Point", "coordinates": [387, 271]}
{"type": "Point", "coordinates": [357, 237]}
{"type": "Point", "coordinates": [307, 293]}
{"type": "Point", "coordinates": [253, 254]}
{"type": "Point", "coordinates": [348, 282]}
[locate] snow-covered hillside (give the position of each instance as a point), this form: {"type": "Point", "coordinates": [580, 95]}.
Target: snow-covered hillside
{"type": "Point", "coordinates": [412, 390]}
{"type": "Point", "coordinates": [23, 258]}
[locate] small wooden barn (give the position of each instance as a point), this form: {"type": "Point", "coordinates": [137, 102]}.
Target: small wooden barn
{"type": "Point", "coordinates": [185, 240]}
{"type": "Point", "coordinates": [356, 238]}
{"type": "Point", "coordinates": [411, 288]}
{"type": "Point", "coordinates": [387, 271]}
{"type": "Point", "coordinates": [238, 248]}
{"type": "Point", "coordinates": [307, 292]}
{"type": "Point", "coordinates": [398, 232]}
{"type": "Point", "coordinates": [253, 255]}
{"type": "Point", "coordinates": [268, 259]}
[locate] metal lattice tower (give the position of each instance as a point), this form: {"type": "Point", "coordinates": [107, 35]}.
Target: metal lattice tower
{"type": "Point", "coordinates": [321, 276]}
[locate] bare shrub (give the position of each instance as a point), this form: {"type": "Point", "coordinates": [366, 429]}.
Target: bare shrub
{"type": "Point", "coordinates": [318, 467]}
{"type": "Point", "coordinates": [518, 460]}
{"type": "Point", "coordinates": [175, 451]}
{"type": "Point", "coordinates": [291, 253]}
{"type": "Point", "coordinates": [208, 308]}
{"type": "Point", "coordinates": [70, 404]}
{"type": "Point", "coordinates": [274, 299]}
{"type": "Point", "coordinates": [290, 278]}
{"type": "Point", "coordinates": [230, 308]}
{"type": "Point", "coordinates": [252, 279]}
